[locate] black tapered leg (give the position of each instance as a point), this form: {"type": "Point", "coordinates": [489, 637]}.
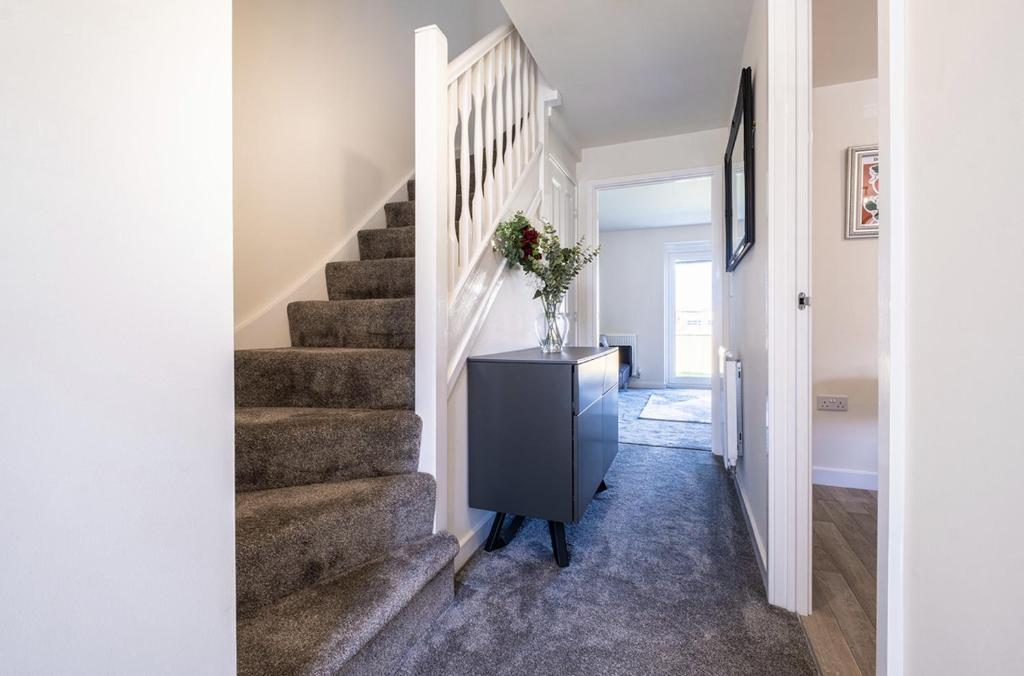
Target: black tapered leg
{"type": "Point", "coordinates": [494, 540]}
{"type": "Point", "coordinates": [602, 488]}
{"type": "Point", "coordinates": [557, 530]}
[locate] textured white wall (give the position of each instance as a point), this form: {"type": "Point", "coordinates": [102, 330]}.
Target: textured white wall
{"type": "Point", "coordinates": [845, 290]}
{"type": "Point", "coordinates": [117, 415]}
{"type": "Point", "coordinates": [965, 242]}
{"type": "Point", "coordinates": [323, 130]}
{"type": "Point", "coordinates": [748, 320]}
{"type": "Point", "coordinates": [633, 290]}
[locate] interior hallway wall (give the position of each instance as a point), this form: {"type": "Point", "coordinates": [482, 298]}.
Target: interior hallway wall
{"type": "Point", "coordinates": [845, 291]}
{"type": "Point", "coordinates": [117, 420]}
{"type": "Point", "coordinates": [963, 555]}
{"type": "Point", "coordinates": [633, 293]}
{"type": "Point", "coordinates": [323, 136]}
{"type": "Point", "coordinates": [748, 301]}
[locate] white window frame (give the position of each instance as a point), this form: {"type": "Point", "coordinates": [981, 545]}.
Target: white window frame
{"type": "Point", "coordinates": [697, 251]}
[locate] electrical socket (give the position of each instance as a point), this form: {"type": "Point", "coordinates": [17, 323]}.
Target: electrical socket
{"type": "Point", "coordinates": [833, 402]}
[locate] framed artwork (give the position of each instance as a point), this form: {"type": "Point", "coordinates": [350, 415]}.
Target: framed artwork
{"type": "Point", "coordinates": [739, 176]}
{"type": "Point", "coordinates": [862, 192]}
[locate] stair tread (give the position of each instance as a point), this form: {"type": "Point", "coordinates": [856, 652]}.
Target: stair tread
{"type": "Point", "coordinates": [328, 377]}
{"type": "Point", "coordinates": [380, 278]}
{"type": "Point", "coordinates": [377, 243]}
{"type": "Point", "coordinates": [318, 629]}
{"type": "Point", "coordinates": [367, 322]}
{"type": "Point", "coordinates": [400, 214]}
{"type": "Point", "coordinates": [286, 446]}
{"type": "Point", "coordinates": [289, 538]}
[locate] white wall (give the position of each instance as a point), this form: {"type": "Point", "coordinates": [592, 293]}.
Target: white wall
{"type": "Point", "coordinates": [845, 293]}
{"type": "Point", "coordinates": [116, 423]}
{"type": "Point", "coordinates": [657, 156]}
{"type": "Point", "coordinates": [748, 321]}
{"type": "Point", "coordinates": [323, 130]}
{"type": "Point", "coordinates": [964, 455]}
{"type": "Point", "coordinates": [633, 291]}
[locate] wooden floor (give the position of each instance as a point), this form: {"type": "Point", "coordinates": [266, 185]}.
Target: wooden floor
{"type": "Point", "coordinates": [841, 626]}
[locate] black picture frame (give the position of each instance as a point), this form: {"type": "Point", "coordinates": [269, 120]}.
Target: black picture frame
{"type": "Point", "coordinates": [742, 121]}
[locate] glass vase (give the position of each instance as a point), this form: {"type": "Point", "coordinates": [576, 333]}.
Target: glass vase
{"type": "Point", "coordinates": [552, 326]}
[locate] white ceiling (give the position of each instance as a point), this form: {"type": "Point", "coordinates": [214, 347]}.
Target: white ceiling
{"type": "Point", "coordinates": [635, 69]}
{"type": "Point", "coordinates": [656, 205]}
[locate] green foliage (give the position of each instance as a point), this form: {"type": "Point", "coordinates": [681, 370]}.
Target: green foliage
{"type": "Point", "coordinates": [542, 255]}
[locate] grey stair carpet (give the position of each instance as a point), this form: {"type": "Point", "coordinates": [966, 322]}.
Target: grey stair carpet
{"type": "Point", "coordinates": [387, 243]}
{"type": "Point", "coordinates": [341, 625]}
{"type": "Point", "coordinates": [338, 571]}
{"type": "Point", "coordinates": [289, 538]}
{"type": "Point", "coordinates": [382, 278]}
{"type": "Point", "coordinates": [276, 447]}
{"type": "Point", "coordinates": [400, 214]}
{"type": "Point", "coordinates": [324, 377]}
{"type": "Point", "coordinates": [369, 322]}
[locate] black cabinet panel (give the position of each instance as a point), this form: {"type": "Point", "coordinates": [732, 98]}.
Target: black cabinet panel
{"type": "Point", "coordinates": [543, 430]}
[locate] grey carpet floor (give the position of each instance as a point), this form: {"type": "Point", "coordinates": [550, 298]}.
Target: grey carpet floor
{"type": "Point", "coordinates": [636, 430]}
{"type": "Point", "coordinates": [662, 579]}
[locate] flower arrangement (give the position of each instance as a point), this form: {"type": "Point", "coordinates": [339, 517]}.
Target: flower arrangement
{"type": "Point", "coordinates": [550, 266]}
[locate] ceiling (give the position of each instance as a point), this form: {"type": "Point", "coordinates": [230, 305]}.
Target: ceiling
{"type": "Point", "coordinates": [631, 69]}
{"type": "Point", "coordinates": [845, 34]}
{"type": "Point", "coordinates": [655, 205]}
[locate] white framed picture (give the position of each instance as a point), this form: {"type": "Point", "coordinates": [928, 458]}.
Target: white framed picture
{"type": "Point", "coordinates": [862, 192]}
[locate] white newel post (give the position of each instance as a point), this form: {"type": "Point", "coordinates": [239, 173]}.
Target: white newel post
{"type": "Point", "coordinates": [432, 257]}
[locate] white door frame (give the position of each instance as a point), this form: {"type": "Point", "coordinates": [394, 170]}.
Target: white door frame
{"type": "Point", "coordinates": [695, 251]}
{"type": "Point", "coordinates": [788, 240]}
{"type": "Point", "coordinates": [892, 290]}
{"type": "Point", "coordinates": [789, 550]}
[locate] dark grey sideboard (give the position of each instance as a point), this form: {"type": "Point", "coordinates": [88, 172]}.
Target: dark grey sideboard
{"type": "Point", "coordinates": [543, 431]}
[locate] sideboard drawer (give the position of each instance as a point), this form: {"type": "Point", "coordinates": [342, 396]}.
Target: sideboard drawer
{"type": "Point", "coordinates": [589, 383]}
{"type": "Point", "coordinates": [611, 371]}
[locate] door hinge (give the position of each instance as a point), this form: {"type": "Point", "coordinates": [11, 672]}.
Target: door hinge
{"type": "Point", "coordinates": [803, 301]}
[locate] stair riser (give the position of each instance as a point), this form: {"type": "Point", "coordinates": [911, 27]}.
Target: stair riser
{"type": "Point", "coordinates": [400, 214]}
{"type": "Point", "coordinates": [328, 379]}
{"type": "Point", "coordinates": [410, 188]}
{"type": "Point", "coordinates": [376, 324]}
{"type": "Point", "coordinates": [386, 278]}
{"type": "Point", "coordinates": [321, 446]}
{"type": "Point", "coordinates": [280, 551]}
{"type": "Point", "coordinates": [387, 650]}
{"type": "Point", "coordinates": [381, 243]}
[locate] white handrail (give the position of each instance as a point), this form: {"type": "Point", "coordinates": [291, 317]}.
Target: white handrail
{"type": "Point", "coordinates": [463, 61]}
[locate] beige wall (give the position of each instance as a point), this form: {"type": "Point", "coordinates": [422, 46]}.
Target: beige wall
{"type": "Point", "coordinates": [845, 41]}
{"type": "Point", "coordinates": [117, 418]}
{"type": "Point", "coordinates": [845, 293]}
{"type": "Point", "coordinates": [748, 321]}
{"type": "Point", "coordinates": [323, 129]}
{"type": "Point", "coordinates": [965, 241]}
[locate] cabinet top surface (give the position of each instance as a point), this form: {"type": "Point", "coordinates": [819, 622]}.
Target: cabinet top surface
{"type": "Point", "coordinates": [568, 355]}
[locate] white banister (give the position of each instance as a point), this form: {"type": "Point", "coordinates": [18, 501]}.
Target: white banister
{"type": "Point", "coordinates": [432, 247]}
{"type": "Point", "coordinates": [478, 144]}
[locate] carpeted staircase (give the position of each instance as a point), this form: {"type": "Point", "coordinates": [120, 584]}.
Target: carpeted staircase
{"type": "Point", "coordinates": [339, 571]}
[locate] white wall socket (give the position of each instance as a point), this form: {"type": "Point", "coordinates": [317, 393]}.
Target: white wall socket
{"type": "Point", "coordinates": [833, 402]}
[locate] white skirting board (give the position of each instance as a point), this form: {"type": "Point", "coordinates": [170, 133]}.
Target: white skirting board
{"type": "Point", "coordinates": [759, 547]}
{"type": "Point", "coordinates": [846, 478]}
{"type": "Point", "coordinates": [472, 541]}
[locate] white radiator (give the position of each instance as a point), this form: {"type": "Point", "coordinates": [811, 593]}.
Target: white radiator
{"type": "Point", "coordinates": [733, 411]}
{"type": "Point", "coordinates": [616, 339]}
